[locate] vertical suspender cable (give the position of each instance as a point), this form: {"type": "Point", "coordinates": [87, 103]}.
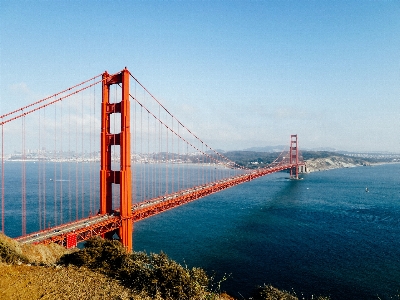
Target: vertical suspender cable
{"type": "Point", "coordinates": [39, 176]}
{"type": "Point", "coordinates": [210, 167]}
{"type": "Point", "coordinates": [172, 157]}
{"type": "Point", "coordinates": [202, 164]}
{"type": "Point", "coordinates": [143, 176]}
{"type": "Point", "coordinates": [149, 188]}
{"type": "Point", "coordinates": [189, 167]}
{"type": "Point", "coordinates": [23, 179]}
{"type": "Point", "coordinates": [160, 190]}
{"type": "Point", "coordinates": [44, 171]}
{"type": "Point", "coordinates": [90, 159]}
{"type": "Point", "coordinates": [2, 178]}
{"type": "Point", "coordinates": [200, 167]}
{"type": "Point", "coordinates": [179, 162]}
{"type": "Point", "coordinates": [155, 161]}
{"type": "Point", "coordinates": [82, 165]}
{"type": "Point", "coordinates": [210, 164]}
{"type": "Point", "coordinates": [55, 166]}
{"type": "Point", "coordinates": [166, 163]}
{"type": "Point", "coordinates": [76, 164]}
{"type": "Point", "coordinates": [69, 165]}
{"type": "Point", "coordinates": [61, 162]}
{"type": "Point", "coordinates": [197, 166]}
{"type": "Point", "coordinates": [147, 168]}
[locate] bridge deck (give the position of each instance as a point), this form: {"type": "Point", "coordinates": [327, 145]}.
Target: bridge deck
{"type": "Point", "coordinates": [86, 228]}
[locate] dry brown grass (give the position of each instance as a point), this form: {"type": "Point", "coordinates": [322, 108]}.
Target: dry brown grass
{"type": "Point", "coordinates": [36, 282]}
{"type": "Point", "coordinates": [10, 250]}
{"type": "Point", "coordinates": [43, 254]}
{"type": "Point", "coordinates": [33, 254]}
{"type": "Point", "coordinates": [42, 282]}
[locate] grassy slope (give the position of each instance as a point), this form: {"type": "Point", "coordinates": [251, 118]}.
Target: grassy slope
{"type": "Point", "coordinates": [19, 279]}
{"type": "Point", "coordinates": [39, 282]}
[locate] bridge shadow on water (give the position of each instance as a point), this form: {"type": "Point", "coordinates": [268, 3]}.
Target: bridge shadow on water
{"type": "Point", "coordinates": [258, 244]}
{"type": "Point", "coordinates": [229, 232]}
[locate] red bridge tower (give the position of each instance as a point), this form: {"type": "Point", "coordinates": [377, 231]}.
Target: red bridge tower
{"type": "Point", "coordinates": [108, 177]}
{"type": "Point", "coordinates": [294, 157]}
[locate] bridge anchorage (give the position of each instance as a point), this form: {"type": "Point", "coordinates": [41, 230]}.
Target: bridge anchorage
{"type": "Point", "coordinates": [119, 207]}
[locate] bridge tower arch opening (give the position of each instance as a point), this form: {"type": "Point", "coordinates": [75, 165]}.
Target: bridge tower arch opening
{"type": "Point", "coordinates": [123, 176]}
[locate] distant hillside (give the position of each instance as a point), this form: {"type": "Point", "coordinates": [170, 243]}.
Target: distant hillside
{"type": "Point", "coordinates": [278, 148]}
{"type": "Point", "coordinates": [316, 160]}
{"type": "Point", "coordinates": [252, 159]}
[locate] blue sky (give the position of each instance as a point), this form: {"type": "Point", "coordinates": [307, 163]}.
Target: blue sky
{"type": "Point", "coordinates": [239, 74]}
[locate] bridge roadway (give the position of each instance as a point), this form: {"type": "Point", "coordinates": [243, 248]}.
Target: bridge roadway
{"type": "Point", "coordinates": [69, 234]}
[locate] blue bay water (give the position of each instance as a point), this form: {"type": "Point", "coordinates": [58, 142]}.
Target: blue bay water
{"type": "Point", "coordinates": [323, 235]}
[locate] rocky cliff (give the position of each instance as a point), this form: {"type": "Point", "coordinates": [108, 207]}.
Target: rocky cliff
{"type": "Point", "coordinates": [333, 162]}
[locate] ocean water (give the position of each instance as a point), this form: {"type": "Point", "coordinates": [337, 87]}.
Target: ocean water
{"type": "Point", "coordinates": [323, 235]}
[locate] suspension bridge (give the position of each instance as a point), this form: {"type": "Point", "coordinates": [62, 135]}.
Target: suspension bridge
{"type": "Point", "coordinates": [64, 181]}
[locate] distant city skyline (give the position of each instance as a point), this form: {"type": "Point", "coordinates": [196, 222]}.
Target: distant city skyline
{"type": "Point", "coordinates": [239, 74]}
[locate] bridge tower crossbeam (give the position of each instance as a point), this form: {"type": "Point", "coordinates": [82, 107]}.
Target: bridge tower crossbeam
{"type": "Point", "coordinates": [108, 177]}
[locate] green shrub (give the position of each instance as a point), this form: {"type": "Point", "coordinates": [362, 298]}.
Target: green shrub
{"type": "Point", "coordinates": [268, 292]}
{"type": "Point", "coordinates": [174, 281]}
{"type": "Point", "coordinates": [156, 275]}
